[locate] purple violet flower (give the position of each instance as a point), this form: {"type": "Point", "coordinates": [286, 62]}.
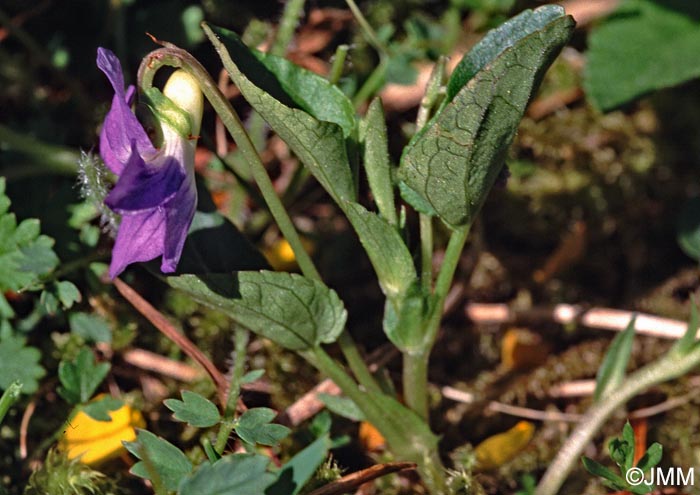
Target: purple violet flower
{"type": "Point", "coordinates": [155, 193]}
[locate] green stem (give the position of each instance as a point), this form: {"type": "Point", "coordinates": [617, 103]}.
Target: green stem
{"type": "Point", "coordinates": [670, 366]}
{"type": "Point", "coordinates": [176, 57]}
{"type": "Point", "coordinates": [240, 336]}
{"type": "Point", "coordinates": [9, 397]}
{"type": "Point", "coordinates": [336, 71]}
{"type": "Point", "coordinates": [357, 363]}
{"type": "Point", "coordinates": [444, 279]}
{"type": "Point", "coordinates": [372, 84]}
{"type": "Point", "coordinates": [366, 28]}
{"type": "Point", "coordinates": [415, 382]}
{"type": "Point", "coordinates": [290, 19]}
{"type": "Point", "coordinates": [416, 446]}
{"type": "Point", "coordinates": [426, 251]}
{"type": "Point", "coordinates": [49, 157]}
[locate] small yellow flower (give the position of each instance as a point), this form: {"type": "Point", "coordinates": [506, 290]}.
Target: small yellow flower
{"type": "Point", "coordinates": [499, 449]}
{"type": "Point", "coordinates": [97, 441]}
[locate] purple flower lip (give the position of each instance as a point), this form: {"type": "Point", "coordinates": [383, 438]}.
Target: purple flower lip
{"type": "Point", "coordinates": [155, 193]}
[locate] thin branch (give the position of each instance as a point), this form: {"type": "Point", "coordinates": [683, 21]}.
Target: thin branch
{"type": "Point", "coordinates": [351, 482]}
{"type": "Point", "coordinates": [522, 412]}
{"type": "Point", "coordinates": [600, 318]}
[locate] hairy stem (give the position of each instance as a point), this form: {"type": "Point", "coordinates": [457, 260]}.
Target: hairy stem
{"type": "Point", "coordinates": [240, 338]}
{"type": "Point", "coordinates": [670, 366]}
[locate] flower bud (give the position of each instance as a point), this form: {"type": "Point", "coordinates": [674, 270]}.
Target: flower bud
{"type": "Point", "coordinates": [183, 90]}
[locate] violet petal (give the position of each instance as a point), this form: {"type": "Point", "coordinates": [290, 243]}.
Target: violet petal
{"type": "Point", "coordinates": [179, 212]}
{"type": "Point", "coordinates": [143, 185]}
{"type": "Point", "coordinates": [140, 238]}
{"type": "Point", "coordinates": [121, 126]}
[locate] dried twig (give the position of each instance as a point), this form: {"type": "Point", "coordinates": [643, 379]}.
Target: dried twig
{"type": "Point", "coordinates": [499, 407]}
{"type": "Point", "coordinates": [24, 426]}
{"type": "Point", "coordinates": [151, 361]}
{"type": "Point", "coordinates": [308, 404]}
{"type": "Point", "coordinates": [601, 318]}
{"type": "Point", "coordinates": [168, 329]}
{"type": "Point", "coordinates": [352, 481]}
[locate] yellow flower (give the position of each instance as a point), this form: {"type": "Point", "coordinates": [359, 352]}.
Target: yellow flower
{"type": "Point", "coordinates": [499, 449]}
{"type": "Point", "coordinates": [97, 441]}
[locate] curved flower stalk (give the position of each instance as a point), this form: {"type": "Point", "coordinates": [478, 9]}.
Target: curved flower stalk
{"type": "Point", "coordinates": [155, 193]}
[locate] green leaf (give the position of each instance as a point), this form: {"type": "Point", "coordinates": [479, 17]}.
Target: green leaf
{"type": "Point", "coordinates": [404, 318]}
{"type": "Point", "coordinates": [453, 164]}
{"type": "Point", "coordinates": [92, 328]}
{"type": "Point", "coordinates": [194, 410]}
{"type": "Point", "coordinates": [597, 469]}
{"type": "Point", "coordinates": [81, 377]}
{"type": "Point", "coordinates": [254, 427]}
{"type": "Point", "coordinates": [25, 255]}
{"type": "Point", "coordinates": [319, 145]}
{"type": "Point", "coordinates": [297, 472]}
{"type": "Point", "coordinates": [19, 362]}
{"type": "Point", "coordinates": [496, 41]}
{"type": "Point", "coordinates": [67, 293]}
{"type": "Point", "coordinates": [311, 92]}
{"type": "Point", "coordinates": [160, 456]}
{"type": "Point", "coordinates": [391, 259]}
{"type": "Point", "coordinates": [252, 376]}
{"type": "Point", "coordinates": [296, 312]}
{"type": "Point", "coordinates": [687, 342]}
{"type": "Point", "coordinates": [688, 228]}
{"type": "Point", "coordinates": [651, 457]}
{"type": "Point", "coordinates": [376, 162]}
{"type": "Point", "coordinates": [99, 409]}
{"type": "Point", "coordinates": [239, 474]}
{"type": "Point", "coordinates": [644, 46]}
{"type": "Point", "coordinates": [342, 406]}
{"type": "Point", "coordinates": [612, 369]}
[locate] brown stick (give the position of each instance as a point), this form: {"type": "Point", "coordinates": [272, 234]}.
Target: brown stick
{"type": "Point", "coordinates": [150, 361]}
{"type": "Point", "coordinates": [601, 318]}
{"type": "Point", "coordinates": [352, 481]}
{"type": "Point", "coordinates": [168, 329]}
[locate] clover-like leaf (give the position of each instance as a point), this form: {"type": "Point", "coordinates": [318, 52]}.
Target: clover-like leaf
{"type": "Point", "coordinates": [451, 166]}
{"type": "Point", "coordinates": [99, 409]}
{"type": "Point", "coordinates": [296, 312]}
{"type": "Point", "coordinates": [25, 255]}
{"type": "Point", "coordinates": [92, 328]}
{"type": "Point", "coordinates": [171, 464]}
{"type": "Point", "coordinates": [194, 410]}
{"type": "Point", "coordinates": [19, 362]}
{"type": "Point", "coordinates": [239, 474]}
{"type": "Point", "coordinates": [81, 377]}
{"type": "Point", "coordinates": [254, 426]}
